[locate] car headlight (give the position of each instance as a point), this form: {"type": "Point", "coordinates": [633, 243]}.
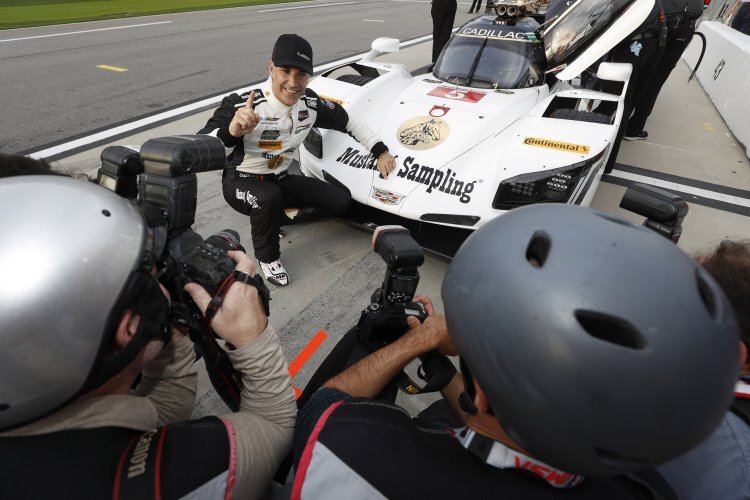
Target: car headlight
{"type": "Point", "coordinates": [314, 143]}
{"type": "Point", "coordinates": [552, 186]}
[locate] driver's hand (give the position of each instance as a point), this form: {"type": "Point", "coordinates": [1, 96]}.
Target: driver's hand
{"type": "Point", "coordinates": [386, 164]}
{"type": "Point", "coordinates": [245, 119]}
{"type": "Point", "coordinates": [434, 330]}
{"type": "Point", "coordinates": [241, 317]}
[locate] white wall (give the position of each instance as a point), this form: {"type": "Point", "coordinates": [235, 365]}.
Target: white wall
{"type": "Point", "coordinates": [725, 75]}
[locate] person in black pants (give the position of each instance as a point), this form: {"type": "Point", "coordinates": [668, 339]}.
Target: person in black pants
{"type": "Point", "coordinates": [642, 49]}
{"type": "Point", "coordinates": [443, 15]}
{"type": "Point", "coordinates": [478, 4]}
{"type": "Point", "coordinates": [741, 19]}
{"type": "Point", "coordinates": [680, 19]}
{"type": "Point", "coordinates": [262, 130]}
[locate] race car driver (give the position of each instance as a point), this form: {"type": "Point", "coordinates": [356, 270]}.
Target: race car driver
{"type": "Point", "coordinates": [262, 130]}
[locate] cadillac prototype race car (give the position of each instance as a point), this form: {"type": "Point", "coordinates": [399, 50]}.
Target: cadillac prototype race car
{"type": "Point", "coordinates": [501, 122]}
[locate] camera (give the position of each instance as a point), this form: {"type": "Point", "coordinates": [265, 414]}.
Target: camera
{"type": "Point", "coordinates": [384, 320]}
{"type": "Point", "coordinates": [664, 211]}
{"type": "Point", "coordinates": [160, 177]}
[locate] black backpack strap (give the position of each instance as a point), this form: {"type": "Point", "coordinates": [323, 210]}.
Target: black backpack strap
{"type": "Point", "coordinates": [174, 460]}
{"type": "Point", "coordinates": [137, 467]}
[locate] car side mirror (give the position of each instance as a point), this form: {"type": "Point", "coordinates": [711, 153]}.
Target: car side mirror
{"type": "Point", "coordinates": [385, 45]}
{"type": "Point", "coordinates": [664, 211]}
{"type": "Point", "coordinates": [382, 45]}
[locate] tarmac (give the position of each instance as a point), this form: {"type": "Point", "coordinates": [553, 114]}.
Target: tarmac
{"type": "Point", "coordinates": [333, 270]}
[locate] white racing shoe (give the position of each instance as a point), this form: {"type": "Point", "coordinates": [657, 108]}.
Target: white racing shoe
{"type": "Point", "coordinates": [275, 272]}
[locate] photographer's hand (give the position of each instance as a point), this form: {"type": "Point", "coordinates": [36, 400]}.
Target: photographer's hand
{"type": "Point", "coordinates": [434, 330]}
{"type": "Point", "coordinates": [241, 317]}
{"type": "Point", "coordinates": [368, 376]}
{"type": "Point", "coordinates": [245, 119]}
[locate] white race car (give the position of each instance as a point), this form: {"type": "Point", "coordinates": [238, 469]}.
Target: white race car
{"type": "Point", "coordinates": [496, 125]}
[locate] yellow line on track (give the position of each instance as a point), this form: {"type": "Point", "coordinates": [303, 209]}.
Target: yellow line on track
{"type": "Point", "coordinates": [112, 68]}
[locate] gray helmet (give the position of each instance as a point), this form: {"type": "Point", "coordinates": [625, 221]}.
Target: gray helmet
{"type": "Point", "coordinates": [73, 255]}
{"type": "Point", "coordinates": [600, 345]}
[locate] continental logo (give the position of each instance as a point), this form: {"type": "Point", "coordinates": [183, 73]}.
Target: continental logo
{"type": "Point", "coordinates": [561, 146]}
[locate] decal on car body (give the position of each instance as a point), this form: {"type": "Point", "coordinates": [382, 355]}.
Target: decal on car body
{"type": "Point", "coordinates": [561, 146]}
{"type": "Point", "coordinates": [422, 132]}
{"type": "Point", "coordinates": [386, 197]}
{"type": "Point", "coordinates": [457, 94]}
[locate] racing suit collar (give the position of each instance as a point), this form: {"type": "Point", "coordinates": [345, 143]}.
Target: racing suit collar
{"type": "Point", "coordinates": [742, 388]}
{"type": "Point", "coordinates": [498, 455]}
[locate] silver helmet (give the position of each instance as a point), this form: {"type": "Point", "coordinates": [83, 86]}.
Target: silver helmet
{"type": "Point", "coordinates": [73, 255]}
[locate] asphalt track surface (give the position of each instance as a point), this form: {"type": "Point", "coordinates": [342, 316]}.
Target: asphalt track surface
{"type": "Point", "coordinates": [61, 81]}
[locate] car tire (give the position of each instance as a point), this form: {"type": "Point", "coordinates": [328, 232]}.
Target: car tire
{"type": "Point", "coordinates": [581, 116]}
{"type": "Point", "coordinates": [355, 79]}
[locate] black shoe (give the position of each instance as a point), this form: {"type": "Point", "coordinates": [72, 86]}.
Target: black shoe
{"type": "Point", "coordinates": [641, 136]}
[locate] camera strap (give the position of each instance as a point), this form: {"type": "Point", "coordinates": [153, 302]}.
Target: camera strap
{"type": "Point", "coordinates": [236, 277]}
{"type": "Point", "coordinates": [436, 370]}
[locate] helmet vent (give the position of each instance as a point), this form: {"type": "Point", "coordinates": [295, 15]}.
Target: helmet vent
{"type": "Point", "coordinates": [4, 406]}
{"type": "Point", "coordinates": [610, 329]}
{"type": "Point", "coordinates": [707, 295]}
{"type": "Point", "coordinates": [538, 249]}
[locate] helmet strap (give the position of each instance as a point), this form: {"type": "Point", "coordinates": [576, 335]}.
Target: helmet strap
{"type": "Point", "coordinates": [466, 399]}
{"type": "Point", "coordinates": [153, 308]}
{"type": "Point", "coordinates": [466, 403]}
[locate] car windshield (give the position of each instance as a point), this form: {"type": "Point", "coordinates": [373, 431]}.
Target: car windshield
{"type": "Point", "coordinates": [491, 63]}
{"type": "Point", "coordinates": [570, 27]}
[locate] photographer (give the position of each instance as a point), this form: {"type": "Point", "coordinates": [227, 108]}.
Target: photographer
{"type": "Point", "coordinates": [82, 317]}
{"type": "Point", "coordinates": [12, 165]}
{"type": "Point", "coordinates": [720, 466]}
{"type": "Point", "coordinates": [262, 130]}
{"type": "Point", "coordinates": [576, 355]}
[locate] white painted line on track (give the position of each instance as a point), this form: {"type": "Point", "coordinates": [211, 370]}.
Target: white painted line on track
{"type": "Point", "coordinates": [674, 186]}
{"type": "Point", "coordinates": [84, 31]}
{"type": "Point", "coordinates": [373, 20]}
{"type": "Point", "coordinates": [305, 7]}
{"type": "Point", "coordinates": [122, 129]}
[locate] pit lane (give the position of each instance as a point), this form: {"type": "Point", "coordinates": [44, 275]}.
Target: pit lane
{"type": "Point", "coordinates": [334, 271]}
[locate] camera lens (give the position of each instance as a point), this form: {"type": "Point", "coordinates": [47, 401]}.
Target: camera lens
{"type": "Point", "coordinates": [227, 240]}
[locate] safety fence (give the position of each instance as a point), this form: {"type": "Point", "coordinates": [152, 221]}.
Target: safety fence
{"type": "Point", "coordinates": [725, 70]}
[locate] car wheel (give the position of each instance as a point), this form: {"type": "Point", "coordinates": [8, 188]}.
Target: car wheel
{"type": "Point", "coordinates": [581, 116]}
{"type": "Point", "coordinates": [355, 79]}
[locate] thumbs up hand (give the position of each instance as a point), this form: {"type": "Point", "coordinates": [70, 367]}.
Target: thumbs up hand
{"type": "Point", "coordinates": [245, 119]}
